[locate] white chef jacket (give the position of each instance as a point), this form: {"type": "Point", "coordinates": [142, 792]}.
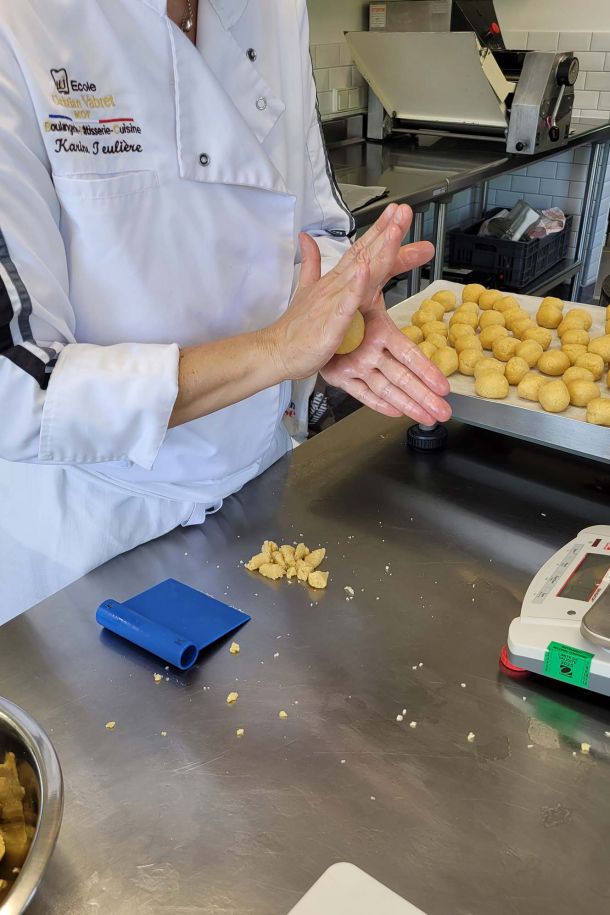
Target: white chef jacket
{"type": "Point", "coordinates": [151, 195]}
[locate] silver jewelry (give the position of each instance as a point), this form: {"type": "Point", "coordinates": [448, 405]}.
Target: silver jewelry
{"type": "Point", "coordinates": [188, 20]}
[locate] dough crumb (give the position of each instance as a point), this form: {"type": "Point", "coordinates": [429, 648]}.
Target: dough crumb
{"type": "Point", "coordinates": [470, 737]}
{"type": "Point", "coordinates": [110, 725]}
{"type": "Point", "coordinates": [163, 733]}
{"type": "Point", "coordinates": [585, 747]}
{"type": "Point", "coordinates": [157, 677]}
{"type": "Point", "coordinates": [373, 798]}
{"type": "Point", "coordinates": [317, 579]}
{"type": "Point", "coordinates": [239, 732]}
{"type": "Point", "coordinates": [463, 685]}
{"type": "Point", "coordinates": [234, 649]}
{"type": "Point", "coordinates": [272, 571]}
{"type": "Point", "coordinates": [232, 697]}
{"type": "Point", "coordinates": [349, 591]}
{"type": "Point", "coordinates": [400, 718]}
{"type": "Point", "coordinates": [283, 715]}
{"type": "Point", "coordinates": [343, 762]}
{"type": "Point", "coordinates": [413, 724]}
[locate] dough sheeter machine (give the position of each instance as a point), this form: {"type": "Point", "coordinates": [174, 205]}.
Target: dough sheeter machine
{"type": "Point", "coordinates": [466, 83]}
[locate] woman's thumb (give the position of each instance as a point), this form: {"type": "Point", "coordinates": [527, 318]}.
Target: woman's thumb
{"type": "Point", "coordinates": [311, 266]}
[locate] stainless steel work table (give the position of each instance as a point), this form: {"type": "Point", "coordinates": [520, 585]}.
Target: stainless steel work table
{"type": "Point", "coordinates": [430, 170]}
{"type": "Point", "coordinates": [439, 550]}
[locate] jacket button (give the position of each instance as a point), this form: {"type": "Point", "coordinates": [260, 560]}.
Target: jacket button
{"type": "Point", "coordinates": [251, 54]}
{"type": "Point", "coordinates": [261, 103]}
{"type": "Point", "coordinates": [204, 159]}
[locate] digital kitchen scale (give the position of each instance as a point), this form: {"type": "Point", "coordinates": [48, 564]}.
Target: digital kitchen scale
{"type": "Point", "coordinates": [564, 628]}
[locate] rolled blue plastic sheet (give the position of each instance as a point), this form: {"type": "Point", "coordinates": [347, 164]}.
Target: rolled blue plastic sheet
{"type": "Point", "coordinates": [171, 620]}
{"type": "Point", "coordinates": [148, 634]}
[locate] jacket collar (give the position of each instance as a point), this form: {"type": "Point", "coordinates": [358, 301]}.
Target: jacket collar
{"type": "Point", "coordinates": [229, 11]}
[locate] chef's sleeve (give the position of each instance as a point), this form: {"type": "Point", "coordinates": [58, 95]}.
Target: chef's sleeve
{"type": "Point", "coordinates": [326, 217]}
{"type": "Point", "coordinates": [62, 402]}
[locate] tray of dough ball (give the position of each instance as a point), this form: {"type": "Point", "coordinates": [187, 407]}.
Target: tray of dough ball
{"type": "Point", "coordinates": [534, 368]}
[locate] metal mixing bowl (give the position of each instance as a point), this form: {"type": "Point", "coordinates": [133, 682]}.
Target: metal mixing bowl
{"type": "Point", "coordinates": [21, 734]}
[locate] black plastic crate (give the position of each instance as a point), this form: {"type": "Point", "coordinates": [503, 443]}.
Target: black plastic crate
{"type": "Point", "coordinates": [513, 263]}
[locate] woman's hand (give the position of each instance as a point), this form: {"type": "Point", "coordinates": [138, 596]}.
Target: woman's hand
{"type": "Point", "coordinates": [387, 372]}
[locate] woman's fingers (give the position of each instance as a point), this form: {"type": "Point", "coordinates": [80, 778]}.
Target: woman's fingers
{"type": "Point", "coordinates": [406, 381]}
{"type": "Point", "coordinates": [358, 389]}
{"type": "Point", "coordinates": [409, 355]}
{"type": "Point", "coordinates": [381, 385]}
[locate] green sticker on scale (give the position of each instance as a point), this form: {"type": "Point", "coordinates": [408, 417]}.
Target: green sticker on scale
{"type": "Point", "coordinates": [570, 665]}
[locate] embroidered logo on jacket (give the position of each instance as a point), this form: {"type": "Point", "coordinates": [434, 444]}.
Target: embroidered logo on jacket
{"type": "Point", "coordinates": [60, 78]}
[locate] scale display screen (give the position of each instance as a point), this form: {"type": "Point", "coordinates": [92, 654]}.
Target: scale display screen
{"type": "Point", "coordinates": [586, 578]}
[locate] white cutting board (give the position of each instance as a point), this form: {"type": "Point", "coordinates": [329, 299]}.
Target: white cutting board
{"type": "Point", "coordinates": [346, 890]}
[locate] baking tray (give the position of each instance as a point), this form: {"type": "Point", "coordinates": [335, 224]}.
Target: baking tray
{"type": "Point", "coordinates": [523, 419]}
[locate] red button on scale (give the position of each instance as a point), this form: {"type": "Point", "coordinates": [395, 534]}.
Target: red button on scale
{"type": "Point", "coordinates": [494, 28]}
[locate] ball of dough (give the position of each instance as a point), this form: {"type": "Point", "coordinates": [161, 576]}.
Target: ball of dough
{"type": "Point", "coordinates": [571, 322]}
{"type": "Point", "coordinates": [488, 298]}
{"type": "Point", "coordinates": [504, 348]}
{"type": "Point", "coordinates": [468, 359]}
{"type": "Point", "coordinates": [460, 330]}
{"type": "Point", "coordinates": [593, 362]}
{"type": "Point", "coordinates": [581, 392]}
{"type": "Point", "coordinates": [488, 318]}
{"type": "Point", "coordinates": [576, 336]}
{"type": "Point", "coordinates": [492, 385]}
{"type": "Point", "coordinates": [513, 315]}
{"type": "Point", "coordinates": [607, 312]}
{"type": "Point", "coordinates": [427, 348]}
{"type": "Point", "coordinates": [423, 315]}
{"type": "Point", "coordinates": [608, 379]}
{"type": "Point", "coordinates": [472, 292]}
{"type": "Point", "coordinates": [607, 327]}
{"type": "Point", "coordinates": [530, 385]}
{"type": "Point", "coordinates": [468, 306]}
{"type": "Point", "coordinates": [601, 347]}
{"type": "Point", "coordinates": [487, 364]}
{"type": "Point", "coordinates": [553, 362]}
{"type": "Point", "coordinates": [577, 373]}
{"type": "Point", "coordinates": [516, 369]}
{"type": "Point", "coordinates": [353, 337]}
{"type": "Point", "coordinates": [573, 351]}
{"type": "Point", "coordinates": [446, 298]}
{"type": "Point", "coordinates": [434, 327]}
{"type": "Point", "coordinates": [555, 302]}
{"type": "Point", "coordinates": [506, 303]}
{"type": "Point", "coordinates": [519, 327]}
{"type": "Point", "coordinates": [413, 333]}
{"type": "Point", "coordinates": [446, 359]}
{"type": "Point", "coordinates": [437, 340]}
{"type": "Point", "coordinates": [489, 335]}
{"type": "Point", "coordinates": [549, 315]}
{"type": "Point", "coordinates": [464, 317]}
{"type": "Point", "coordinates": [554, 397]}
{"type": "Point", "coordinates": [467, 342]}
{"type": "Point", "coordinates": [540, 334]}
{"type": "Point", "coordinates": [530, 351]}
{"type": "Point", "coordinates": [581, 313]}
{"type": "Point", "coordinates": [598, 411]}
{"type": "Point", "coordinates": [434, 307]}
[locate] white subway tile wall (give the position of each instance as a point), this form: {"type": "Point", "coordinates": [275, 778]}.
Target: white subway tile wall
{"type": "Point", "coordinates": [341, 88]}
{"type": "Point", "coordinates": [556, 182]}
